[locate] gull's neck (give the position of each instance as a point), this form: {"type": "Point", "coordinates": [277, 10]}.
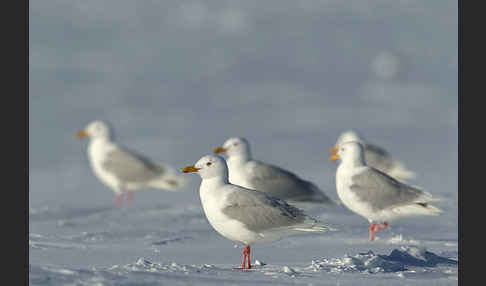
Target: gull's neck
{"type": "Point", "coordinates": [101, 139]}
{"type": "Point", "coordinates": [239, 159]}
{"type": "Point", "coordinates": [99, 144]}
{"type": "Point", "coordinates": [214, 182]}
{"type": "Point", "coordinates": [354, 161]}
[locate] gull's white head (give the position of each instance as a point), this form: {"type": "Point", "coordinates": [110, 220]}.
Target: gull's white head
{"type": "Point", "coordinates": [352, 151]}
{"type": "Point", "coordinates": [209, 166]}
{"type": "Point", "coordinates": [235, 146]}
{"type": "Point", "coordinates": [96, 129]}
{"type": "Point", "coordinates": [348, 136]}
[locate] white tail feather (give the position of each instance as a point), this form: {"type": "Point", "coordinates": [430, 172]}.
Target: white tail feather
{"type": "Point", "coordinates": [426, 196]}
{"type": "Point", "coordinates": [429, 198]}
{"type": "Point", "coordinates": [417, 209]}
{"type": "Point", "coordinates": [434, 210]}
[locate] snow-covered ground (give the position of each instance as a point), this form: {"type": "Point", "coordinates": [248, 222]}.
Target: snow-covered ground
{"type": "Point", "coordinates": [177, 78]}
{"type": "Point", "coordinates": [167, 244]}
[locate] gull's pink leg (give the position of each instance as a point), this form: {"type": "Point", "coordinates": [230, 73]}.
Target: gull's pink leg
{"type": "Point", "coordinates": [246, 254]}
{"type": "Point", "coordinates": [247, 250]}
{"type": "Point", "coordinates": [119, 199]}
{"type": "Point", "coordinates": [242, 264]}
{"type": "Point", "coordinates": [375, 227]}
{"type": "Point", "coordinates": [129, 198]}
{"type": "Point", "coordinates": [371, 228]}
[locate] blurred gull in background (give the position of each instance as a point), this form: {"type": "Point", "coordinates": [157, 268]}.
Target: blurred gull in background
{"type": "Point", "coordinates": [378, 158]}
{"type": "Point", "coordinates": [123, 170]}
{"type": "Point", "coordinates": [245, 215]}
{"type": "Point", "coordinates": [373, 194]}
{"type": "Point", "coordinates": [277, 182]}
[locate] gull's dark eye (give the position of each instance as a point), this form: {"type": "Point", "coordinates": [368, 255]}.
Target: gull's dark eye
{"type": "Point", "coordinates": [208, 164]}
{"type": "Point", "coordinates": [235, 144]}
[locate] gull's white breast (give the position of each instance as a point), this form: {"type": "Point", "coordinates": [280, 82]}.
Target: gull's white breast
{"type": "Point", "coordinates": [97, 151]}
{"type": "Point", "coordinates": [349, 199]}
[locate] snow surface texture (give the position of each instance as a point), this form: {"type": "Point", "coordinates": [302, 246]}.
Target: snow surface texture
{"type": "Point", "coordinates": [177, 78]}
{"type": "Point", "coordinates": [109, 246]}
{"type": "Point", "coordinates": [406, 263]}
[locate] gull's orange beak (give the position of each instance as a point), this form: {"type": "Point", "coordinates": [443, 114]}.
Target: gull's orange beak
{"type": "Point", "coordinates": [82, 134]}
{"type": "Point", "coordinates": [190, 169]}
{"type": "Point", "coordinates": [334, 155]}
{"type": "Point", "coordinates": [220, 149]}
{"type": "Point", "coordinates": [333, 150]}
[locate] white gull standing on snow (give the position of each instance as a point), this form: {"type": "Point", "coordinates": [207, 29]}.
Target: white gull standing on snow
{"type": "Point", "coordinates": [378, 158]}
{"type": "Point", "coordinates": [245, 215]}
{"type": "Point", "coordinates": [275, 181]}
{"type": "Point", "coordinates": [372, 193]}
{"type": "Point", "coordinates": [123, 170]}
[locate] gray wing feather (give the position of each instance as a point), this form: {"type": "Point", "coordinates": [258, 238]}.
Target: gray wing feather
{"type": "Point", "coordinates": [283, 184]}
{"type": "Point", "coordinates": [382, 191]}
{"type": "Point", "coordinates": [129, 166]}
{"type": "Point", "coordinates": [260, 212]}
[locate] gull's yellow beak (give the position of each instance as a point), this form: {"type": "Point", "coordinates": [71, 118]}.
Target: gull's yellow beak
{"type": "Point", "coordinates": [82, 134]}
{"type": "Point", "coordinates": [190, 169]}
{"type": "Point", "coordinates": [220, 149]}
{"type": "Point", "coordinates": [334, 155]}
